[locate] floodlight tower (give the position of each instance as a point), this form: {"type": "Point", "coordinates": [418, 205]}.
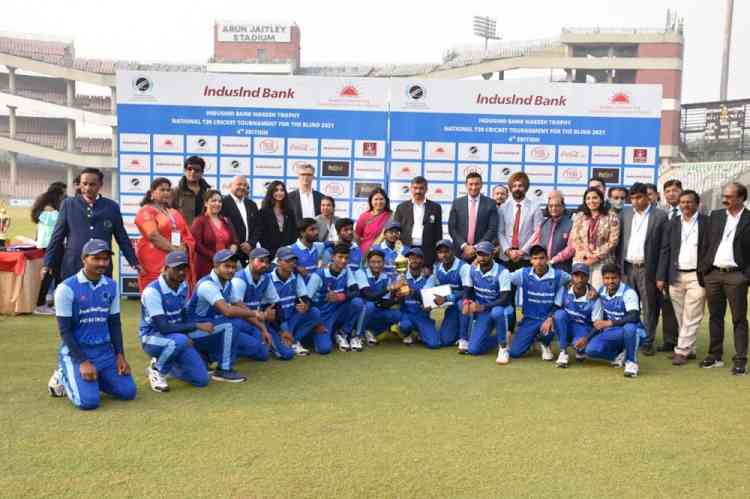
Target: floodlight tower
{"type": "Point", "coordinates": [485, 27]}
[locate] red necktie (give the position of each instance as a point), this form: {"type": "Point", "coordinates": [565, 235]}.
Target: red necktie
{"type": "Point", "coordinates": [516, 226]}
{"type": "Point", "coordinates": [472, 220]}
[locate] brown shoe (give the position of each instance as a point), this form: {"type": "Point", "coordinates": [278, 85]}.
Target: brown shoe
{"type": "Point", "coordinates": [679, 360]}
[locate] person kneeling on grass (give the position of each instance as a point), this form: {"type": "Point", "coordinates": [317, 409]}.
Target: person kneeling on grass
{"type": "Point", "coordinates": [176, 344]}
{"type": "Point", "coordinates": [488, 304]}
{"type": "Point", "coordinates": [214, 301]}
{"type": "Point", "coordinates": [378, 290]}
{"type": "Point", "coordinates": [616, 336]}
{"type": "Point", "coordinates": [253, 287]}
{"type": "Point", "coordinates": [454, 272]}
{"type": "Point", "coordinates": [295, 318]}
{"type": "Point", "coordinates": [415, 317]}
{"type": "Point", "coordinates": [542, 288]}
{"type": "Point", "coordinates": [334, 292]}
{"type": "Point", "coordinates": [576, 319]}
{"type": "Point", "coordinates": [92, 358]}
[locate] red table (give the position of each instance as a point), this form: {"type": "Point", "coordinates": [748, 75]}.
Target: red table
{"type": "Point", "coordinates": [20, 280]}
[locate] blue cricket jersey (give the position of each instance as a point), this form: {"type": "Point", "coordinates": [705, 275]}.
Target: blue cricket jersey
{"type": "Point", "coordinates": [582, 310]}
{"type": "Point", "coordinates": [413, 303]}
{"type": "Point", "coordinates": [323, 281]}
{"type": "Point", "coordinates": [159, 299]}
{"type": "Point", "coordinates": [616, 306]}
{"type": "Point", "coordinates": [288, 292]}
{"type": "Point", "coordinates": [457, 277]}
{"type": "Point", "coordinates": [308, 258]}
{"type": "Point", "coordinates": [488, 285]}
{"type": "Point", "coordinates": [89, 305]}
{"type": "Point", "coordinates": [253, 293]}
{"type": "Point", "coordinates": [208, 291]}
{"type": "Point", "coordinates": [540, 294]}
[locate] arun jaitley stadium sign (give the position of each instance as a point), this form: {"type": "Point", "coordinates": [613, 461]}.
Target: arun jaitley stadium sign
{"type": "Point", "coordinates": [253, 32]}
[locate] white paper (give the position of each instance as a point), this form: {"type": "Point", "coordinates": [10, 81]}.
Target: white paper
{"type": "Point", "coordinates": [176, 239]}
{"type": "Point", "coordinates": [429, 294]}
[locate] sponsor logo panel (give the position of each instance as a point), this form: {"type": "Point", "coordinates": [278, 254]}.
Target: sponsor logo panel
{"type": "Point", "coordinates": [640, 156]}
{"type": "Point", "coordinates": [606, 155]}
{"type": "Point", "coordinates": [406, 150]}
{"type": "Point", "coordinates": [135, 142]}
{"type": "Point", "coordinates": [572, 174]}
{"type": "Point", "coordinates": [507, 153]}
{"type": "Point", "coordinates": [540, 154]}
{"type": "Point", "coordinates": [610, 175]}
{"type": "Point", "coordinates": [135, 163]}
{"type": "Point", "coordinates": [439, 171]}
{"type": "Point", "coordinates": [440, 150]}
{"type": "Point", "coordinates": [473, 152]}
{"type": "Point", "coordinates": [169, 143]}
{"type": "Point", "coordinates": [331, 148]}
{"type": "Point", "coordinates": [293, 166]}
{"type": "Point", "coordinates": [268, 146]}
{"type": "Point", "coordinates": [130, 204]}
{"type": "Point", "coordinates": [466, 168]}
{"type": "Point", "coordinates": [302, 147]}
{"type": "Point", "coordinates": [168, 164]}
{"type": "Point", "coordinates": [370, 149]}
{"type": "Point", "coordinates": [633, 175]}
{"type": "Point", "coordinates": [573, 154]}
{"type": "Point", "coordinates": [335, 168]}
{"type": "Point", "coordinates": [337, 189]}
{"type": "Point", "coordinates": [404, 170]}
{"type": "Point", "coordinates": [134, 184]}
{"type": "Point", "coordinates": [440, 192]}
{"type": "Point", "coordinates": [540, 174]}
{"type": "Point", "coordinates": [239, 146]}
{"type": "Point", "coordinates": [398, 191]}
{"type": "Point", "coordinates": [539, 193]}
{"type": "Point", "coordinates": [268, 167]}
{"type": "Point", "coordinates": [234, 166]}
{"type": "Point", "coordinates": [201, 144]}
{"type": "Point", "coordinates": [364, 189]}
{"type": "Point", "coordinates": [500, 173]}
{"type": "Point", "coordinates": [369, 169]}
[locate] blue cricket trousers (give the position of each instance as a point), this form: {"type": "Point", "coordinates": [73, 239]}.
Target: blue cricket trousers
{"type": "Point", "coordinates": [376, 319]}
{"type": "Point", "coordinates": [424, 325]}
{"type": "Point", "coordinates": [609, 343]}
{"type": "Point", "coordinates": [568, 331]}
{"type": "Point", "coordinates": [527, 331]}
{"type": "Point", "coordinates": [481, 339]}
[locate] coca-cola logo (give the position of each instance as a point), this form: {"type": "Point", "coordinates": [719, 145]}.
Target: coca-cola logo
{"type": "Point", "coordinates": [572, 154]}
{"type": "Point", "coordinates": [303, 147]}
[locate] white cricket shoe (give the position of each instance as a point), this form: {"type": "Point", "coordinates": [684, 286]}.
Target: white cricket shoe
{"type": "Point", "coordinates": [342, 343]}
{"type": "Point", "coordinates": [463, 346]}
{"type": "Point", "coordinates": [546, 352]}
{"type": "Point", "coordinates": [43, 310]}
{"type": "Point", "coordinates": [300, 350]}
{"type": "Point", "coordinates": [503, 356]}
{"type": "Point", "coordinates": [157, 381]}
{"type": "Point", "coordinates": [408, 340]}
{"type": "Point", "coordinates": [54, 385]}
{"type": "Point", "coordinates": [631, 369]}
{"type": "Point", "coordinates": [562, 359]}
{"type": "Point", "coordinates": [371, 339]}
{"type": "Point", "coordinates": [619, 360]}
{"type": "Point", "coordinates": [356, 344]}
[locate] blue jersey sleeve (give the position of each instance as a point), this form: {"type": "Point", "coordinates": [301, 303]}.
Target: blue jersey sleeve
{"type": "Point", "coordinates": [351, 280]}
{"type": "Point", "coordinates": [314, 284]}
{"type": "Point", "coordinates": [114, 307]}
{"type": "Point", "coordinates": [302, 288]}
{"type": "Point", "coordinates": [64, 297]}
{"type": "Point", "coordinates": [151, 302]}
{"type": "Point", "coordinates": [327, 256]}
{"type": "Point", "coordinates": [465, 274]}
{"type": "Point", "coordinates": [209, 292]}
{"type": "Point", "coordinates": [516, 278]}
{"type": "Point", "coordinates": [270, 295]}
{"type": "Point", "coordinates": [630, 298]}
{"type": "Point", "coordinates": [239, 286]}
{"type": "Point", "coordinates": [362, 280]}
{"type": "Point", "coordinates": [597, 313]}
{"type": "Point", "coordinates": [503, 280]}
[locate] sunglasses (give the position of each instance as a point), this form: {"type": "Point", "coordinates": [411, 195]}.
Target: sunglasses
{"type": "Point", "coordinates": [194, 169]}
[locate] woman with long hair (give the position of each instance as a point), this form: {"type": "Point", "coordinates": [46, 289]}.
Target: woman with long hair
{"type": "Point", "coordinates": [162, 228]}
{"type": "Point", "coordinates": [595, 235]}
{"type": "Point", "coordinates": [370, 224]}
{"type": "Point", "coordinates": [212, 232]}
{"type": "Point", "coordinates": [278, 226]}
{"type": "Point", "coordinates": [44, 213]}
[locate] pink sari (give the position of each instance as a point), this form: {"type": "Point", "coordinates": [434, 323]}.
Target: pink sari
{"type": "Point", "coordinates": [369, 227]}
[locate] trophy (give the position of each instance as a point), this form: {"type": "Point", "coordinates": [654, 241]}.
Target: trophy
{"type": "Point", "coordinates": [4, 224]}
{"type": "Point", "coordinates": [402, 265]}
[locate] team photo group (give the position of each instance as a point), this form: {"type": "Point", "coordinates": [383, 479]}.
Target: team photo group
{"type": "Point", "coordinates": [223, 279]}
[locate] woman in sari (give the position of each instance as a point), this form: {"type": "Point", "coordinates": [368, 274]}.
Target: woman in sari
{"type": "Point", "coordinates": [369, 228]}
{"type": "Point", "coordinates": [162, 230]}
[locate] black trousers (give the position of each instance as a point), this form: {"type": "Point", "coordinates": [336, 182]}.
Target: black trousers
{"type": "Point", "coordinates": [669, 327]}
{"type": "Point", "coordinates": [512, 267]}
{"type": "Point", "coordinates": [723, 288]}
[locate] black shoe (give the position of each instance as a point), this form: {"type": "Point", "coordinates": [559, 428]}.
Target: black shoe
{"type": "Point", "coordinates": [666, 348]}
{"type": "Point", "coordinates": [648, 350]}
{"type": "Point", "coordinates": [711, 363]}
{"type": "Point", "coordinates": [739, 370]}
{"type": "Point", "coordinates": [692, 356]}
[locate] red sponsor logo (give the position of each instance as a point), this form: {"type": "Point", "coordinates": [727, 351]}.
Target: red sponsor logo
{"type": "Point", "coordinates": [406, 169]}
{"type": "Point", "coordinates": [572, 154]}
{"type": "Point", "coordinates": [135, 163]}
{"type": "Point", "coordinates": [640, 156]}
{"type": "Point", "coordinates": [349, 91]}
{"type": "Point", "coordinates": [300, 147]}
{"type": "Point", "coordinates": [539, 153]}
{"type": "Point", "coordinates": [439, 191]}
{"type": "Point", "coordinates": [168, 143]}
{"type": "Point", "coordinates": [572, 174]}
{"type": "Point", "coordinates": [620, 98]}
{"type": "Point", "coordinates": [369, 148]}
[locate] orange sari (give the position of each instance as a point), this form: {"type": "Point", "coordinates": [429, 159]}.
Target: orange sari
{"type": "Point", "coordinates": [150, 257]}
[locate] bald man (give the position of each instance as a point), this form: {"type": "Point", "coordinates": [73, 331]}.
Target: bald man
{"type": "Point", "coordinates": [555, 230]}
{"type": "Point", "coordinates": [243, 213]}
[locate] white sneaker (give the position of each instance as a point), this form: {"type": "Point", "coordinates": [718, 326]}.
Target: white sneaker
{"type": "Point", "coordinates": [54, 385]}
{"type": "Point", "coordinates": [371, 339]}
{"type": "Point", "coordinates": [546, 352]}
{"type": "Point", "coordinates": [300, 350]}
{"type": "Point", "coordinates": [342, 343]}
{"type": "Point", "coordinates": [356, 344]}
{"type": "Point", "coordinates": [44, 310]}
{"type": "Point", "coordinates": [619, 360]}
{"type": "Point", "coordinates": [503, 357]}
{"type": "Point", "coordinates": [562, 359]}
{"type": "Point", "coordinates": [408, 340]}
{"type": "Point", "coordinates": [463, 346]}
{"type": "Point", "coordinates": [157, 381]}
{"type": "Point", "coordinates": [631, 369]}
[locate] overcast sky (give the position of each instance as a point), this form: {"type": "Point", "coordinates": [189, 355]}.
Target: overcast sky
{"type": "Point", "coordinates": [378, 31]}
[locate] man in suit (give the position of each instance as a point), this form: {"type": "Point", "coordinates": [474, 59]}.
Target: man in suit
{"type": "Point", "coordinates": [727, 272]}
{"type": "Point", "coordinates": [473, 218]}
{"type": "Point", "coordinates": [305, 201]}
{"type": "Point", "coordinates": [554, 232]}
{"type": "Point", "coordinates": [520, 219]}
{"type": "Point", "coordinates": [639, 251]}
{"type": "Point", "coordinates": [670, 328]}
{"type": "Point", "coordinates": [243, 213]}
{"type": "Point", "coordinates": [682, 248]}
{"type": "Point", "coordinates": [421, 221]}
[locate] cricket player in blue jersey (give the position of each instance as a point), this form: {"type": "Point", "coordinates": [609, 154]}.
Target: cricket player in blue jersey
{"type": "Point", "coordinates": [391, 246]}
{"type": "Point", "coordinates": [308, 249]}
{"type": "Point", "coordinates": [253, 287]}
{"type": "Point", "coordinates": [173, 342]}
{"type": "Point", "coordinates": [616, 335]}
{"type": "Point", "coordinates": [214, 301]}
{"type": "Point", "coordinates": [91, 358]}
{"type": "Point", "coordinates": [415, 317]}
{"type": "Point", "coordinates": [575, 320]}
{"type": "Point", "coordinates": [454, 272]}
{"type": "Point", "coordinates": [334, 292]}
{"type": "Point", "coordinates": [295, 315]}
{"type": "Point", "coordinates": [488, 303]}
{"type": "Point", "coordinates": [378, 290]}
{"type": "Point", "coordinates": [345, 231]}
{"type": "Point", "coordinates": [541, 288]}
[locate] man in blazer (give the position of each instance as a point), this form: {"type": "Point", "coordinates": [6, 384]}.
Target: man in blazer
{"type": "Point", "coordinates": [638, 255]}
{"type": "Point", "coordinates": [473, 218]}
{"type": "Point", "coordinates": [727, 272]}
{"type": "Point", "coordinates": [305, 201]}
{"type": "Point", "coordinates": [520, 219]}
{"type": "Point", "coordinates": [243, 213]}
{"type": "Point", "coordinates": [682, 248]}
{"type": "Point", "coordinates": [421, 221]}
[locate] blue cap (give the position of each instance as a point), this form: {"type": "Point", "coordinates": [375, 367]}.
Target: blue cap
{"type": "Point", "coordinates": [94, 247]}
{"type": "Point", "coordinates": [415, 251]}
{"type": "Point", "coordinates": [444, 242]}
{"type": "Point", "coordinates": [285, 254]}
{"type": "Point", "coordinates": [485, 247]}
{"type": "Point", "coordinates": [175, 259]}
{"type": "Point", "coordinates": [391, 225]}
{"type": "Point", "coordinates": [260, 253]}
{"type": "Point", "coordinates": [582, 268]}
{"type": "Point", "coordinates": [223, 256]}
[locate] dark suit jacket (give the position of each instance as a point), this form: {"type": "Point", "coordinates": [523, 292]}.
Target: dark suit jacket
{"type": "Point", "coordinates": [741, 240]}
{"type": "Point", "coordinates": [205, 243]}
{"type": "Point", "coordinates": [271, 238]}
{"type": "Point", "coordinates": [433, 226]}
{"type": "Point", "coordinates": [296, 203]}
{"type": "Point", "coordinates": [458, 221]}
{"type": "Point", "coordinates": [229, 210]}
{"type": "Point", "coordinates": [670, 249]}
{"type": "Point", "coordinates": [657, 224]}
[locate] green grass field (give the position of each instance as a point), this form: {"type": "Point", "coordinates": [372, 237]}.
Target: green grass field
{"type": "Point", "coordinates": [393, 421]}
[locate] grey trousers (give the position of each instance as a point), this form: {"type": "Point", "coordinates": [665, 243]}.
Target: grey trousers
{"type": "Point", "coordinates": [723, 288]}
{"type": "Point", "coordinates": [636, 276]}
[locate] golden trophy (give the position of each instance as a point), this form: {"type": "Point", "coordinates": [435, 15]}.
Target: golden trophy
{"type": "Point", "coordinates": [402, 266]}
{"type": "Point", "coordinates": [4, 224]}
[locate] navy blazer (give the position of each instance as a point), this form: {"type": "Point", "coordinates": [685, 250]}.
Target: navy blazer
{"type": "Point", "coordinates": [77, 224]}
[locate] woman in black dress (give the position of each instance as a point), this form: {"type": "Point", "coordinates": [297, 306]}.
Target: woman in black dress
{"type": "Point", "coordinates": [278, 226]}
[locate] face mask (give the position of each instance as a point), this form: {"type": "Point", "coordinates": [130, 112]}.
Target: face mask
{"type": "Point", "coordinates": [617, 203]}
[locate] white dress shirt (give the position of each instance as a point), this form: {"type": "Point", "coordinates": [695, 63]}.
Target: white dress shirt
{"type": "Point", "coordinates": [308, 204]}
{"type": "Point", "coordinates": [243, 212]}
{"type": "Point", "coordinates": [418, 228]}
{"type": "Point", "coordinates": [637, 243]}
{"type": "Point", "coordinates": [688, 257]}
{"type": "Point", "coordinates": [725, 253]}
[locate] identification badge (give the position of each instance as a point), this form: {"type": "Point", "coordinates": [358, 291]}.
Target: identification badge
{"type": "Point", "coordinates": [176, 238]}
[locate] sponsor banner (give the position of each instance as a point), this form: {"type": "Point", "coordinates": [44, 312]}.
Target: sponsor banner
{"type": "Point", "coordinates": [606, 155]}
{"type": "Point", "coordinates": [169, 143]}
{"type": "Point", "coordinates": [374, 149]}
{"type": "Point", "coordinates": [260, 186]}
{"type": "Point", "coordinates": [268, 146]}
{"type": "Point", "coordinates": [440, 171]}
{"type": "Point", "coordinates": [573, 155]}
{"type": "Point", "coordinates": [168, 164]}
{"type": "Point", "coordinates": [439, 150]}
{"type": "Point", "coordinates": [540, 154]}
{"type": "Point", "coordinates": [134, 184]}
{"type": "Point", "coordinates": [268, 167]}
{"type": "Point", "coordinates": [135, 163]}
{"type": "Point", "coordinates": [643, 156]}
{"type": "Point", "coordinates": [500, 173]}
{"type": "Point", "coordinates": [507, 153]}
{"type": "Point", "coordinates": [369, 170]}
{"type": "Point", "coordinates": [302, 147]}
{"type": "Point", "coordinates": [224, 184]}
{"type": "Point", "coordinates": [466, 168]}
{"type": "Point", "coordinates": [403, 170]}
{"type": "Point", "coordinates": [441, 193]}
{"type": "Point", "coordinates": [539, 193]}
{"type": "Point", "coordinates": [135, 142]}
{"type": "Point", "coordinates": [234, 166]}
{"type": "Point", "coordinates": [610, 175]}
{"type": "Point", "coordinates": [540, 174]}
{"type": "Point", "coordinates": [201, 144]}
{"type": "Point", "coordinates": [398, 191]}
{"type": "Point", "coordinates": [406, 150]}
{"type": "Point", "coordinates": [238, 146]}
{"type": "Point", "coordinates": [364, 189]}
{"type": "Point", "coordinates": [210, 168]}
{"type": "Point", "coordinates": [573, 195]}
{"type": "Point", "coordinates": [569, 174]}
{"type": "Point", "coordinates": [473, 152]}
{"type": "Point", "coordinates": [633, 175]}
{"type": "Point", "coordinates": [293, 166]}
{"type": "Point", "coordinates": [359, 207]}
{"type": "Point", "coordinates": [336, 148]}
{"type": "Point", "coordinates": [337, 189]}
{"type": "Point", "coordinates": [129, 223]}
{"type": "Point", "coordinates": [130, 204]}
{"type": "Point", "coordinates": [335, 168]}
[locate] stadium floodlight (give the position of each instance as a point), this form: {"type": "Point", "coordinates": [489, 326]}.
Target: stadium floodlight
{"type": "Point", "coordinates": [485, 27]}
